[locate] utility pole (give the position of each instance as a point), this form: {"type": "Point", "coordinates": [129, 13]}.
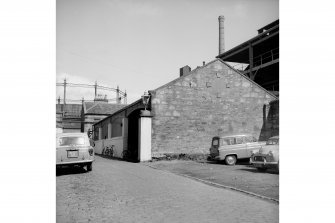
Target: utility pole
{"type": "Point", "coordinates": [95, 89]}
{"type": "Point", "coordinates": [125, 97]}
{"type": "Point", "coordinates": [117, 95]}
{"type": "Point", "coordinates": [64, 91]}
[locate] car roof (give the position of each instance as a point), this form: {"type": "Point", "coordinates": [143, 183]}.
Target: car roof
{"type": "Point", "coordinates": [71, 134]}
{"type": "Point", "coordinates": [274, 137]}
{"type": "Point", "coordinates": [236, 135]}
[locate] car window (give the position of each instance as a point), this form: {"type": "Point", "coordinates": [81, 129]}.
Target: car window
{"type": "Point", "coordinates": [239, 140]}
{"type": "Point", "coordinates": [229, 141]}
{"type": "Point", "coordinates": [272, 142]}
{"type": "Point", "coordinates": [250, 139]}
{"type": "Point", "coordinates": [66, 141]}
{"type": "Point", "coordinates": [215, 142]}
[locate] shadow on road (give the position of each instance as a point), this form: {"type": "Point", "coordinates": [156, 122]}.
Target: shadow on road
{"type": "Point", "coordinates": [269, 171]}
{"type": "Point", "coordinates": [243, 162]}
{"type": "Point", "coordinates": [60, 171]}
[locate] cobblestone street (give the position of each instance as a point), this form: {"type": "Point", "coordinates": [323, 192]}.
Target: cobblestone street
{"type": "Point", "coordinates": [117, 191]}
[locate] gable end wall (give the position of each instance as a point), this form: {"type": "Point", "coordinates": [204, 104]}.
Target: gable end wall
{"type": "Point", "coordinates": [212, 100]}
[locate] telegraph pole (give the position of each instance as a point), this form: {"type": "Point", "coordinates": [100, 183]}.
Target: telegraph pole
{"type": "Point", "coordinates": [125, 97]}
{"type": "Point", "coordinates": [64, 91]}
{"type": "Point", "coordinates": [117, 95]}
{"type": "Point", "coordinates": [95, 89]}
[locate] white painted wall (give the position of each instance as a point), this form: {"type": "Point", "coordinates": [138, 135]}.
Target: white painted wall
{"type": "Point", "coordinates": [117, 143]}
{"type": "Point", "coordinates": [144, 139]}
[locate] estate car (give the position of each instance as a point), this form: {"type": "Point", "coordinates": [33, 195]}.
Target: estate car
{"type": "Point", "coordinates": [233, 147]}
{"type": "Point", "coordinates": [74, 149]}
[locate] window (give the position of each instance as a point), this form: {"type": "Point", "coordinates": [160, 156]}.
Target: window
{"type": "Point", "coordinates": [239, 140]}
{"type": "Point", "coordinates": [250, 139]}
{"type": "Point", "coordinates": [229, 141]}
{"type": "Point", "coordinates": [272, 142]}
{"type": "Point", "coordinates": [215, 142]}
{"type": "Point", "coordinates": [66, 141]}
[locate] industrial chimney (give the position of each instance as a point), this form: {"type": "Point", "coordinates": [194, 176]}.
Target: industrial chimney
{"type": "Point", "coordinates": [221, 34]}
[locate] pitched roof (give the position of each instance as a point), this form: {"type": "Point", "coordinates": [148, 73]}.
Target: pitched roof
{"type": "Point", "coordinates": [101, 108]}
{"type": "Point", "coordinates": [217, 59]}
{"type": "Point", "coordinates": [69, 109]}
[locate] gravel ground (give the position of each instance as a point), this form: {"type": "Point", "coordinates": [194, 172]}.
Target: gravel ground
{"type": "Point", "coordinates": [241, 176]}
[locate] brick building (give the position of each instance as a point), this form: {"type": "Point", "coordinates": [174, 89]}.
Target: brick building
{"type": "Point", "coordinates": [186, 113]}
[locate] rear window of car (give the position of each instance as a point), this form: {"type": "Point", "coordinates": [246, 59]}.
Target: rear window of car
{"type": "Point", "coordinates": [272, 142]}
{"type": "Point", "coordinates": [215, 142]}
{"type": "Point", "coordinates": [66, 141]}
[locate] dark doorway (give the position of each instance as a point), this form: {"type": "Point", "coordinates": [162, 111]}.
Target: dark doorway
{"type": "Point", "coordinates": [133, 135]}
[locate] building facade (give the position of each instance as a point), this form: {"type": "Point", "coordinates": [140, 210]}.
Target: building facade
{"type": "Point", "coordinates": [186, 113]}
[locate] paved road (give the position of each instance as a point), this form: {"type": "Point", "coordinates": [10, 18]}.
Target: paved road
{"type": "Point", "coordinates": [117, 191]}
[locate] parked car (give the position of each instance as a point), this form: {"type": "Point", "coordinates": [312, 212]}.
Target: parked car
{"type": "Point", "coordinates": [74, 149]}
{"type": "Point", "coordinates": [233, 147]}
{"type": "Point", "coordinates": [268, 155]}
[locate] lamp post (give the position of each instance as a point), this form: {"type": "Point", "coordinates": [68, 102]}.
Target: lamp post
{"type": "Point", "coordinates": [145, 100]}
{"type": "Point", "coordinates": [144, 142]}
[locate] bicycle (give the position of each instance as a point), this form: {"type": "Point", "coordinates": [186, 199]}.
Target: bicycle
{"type": "Point", "coordinates": [108, 151]}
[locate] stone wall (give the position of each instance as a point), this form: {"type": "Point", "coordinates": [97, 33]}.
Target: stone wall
{"type": "Point", "coordinates": [212, 100]}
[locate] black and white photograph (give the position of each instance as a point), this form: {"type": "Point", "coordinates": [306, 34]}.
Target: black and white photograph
{"type": "Point", "coordinates": [166, 111]}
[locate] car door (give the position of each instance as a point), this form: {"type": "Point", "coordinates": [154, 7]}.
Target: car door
{"type": "Point", "coordinates": [240, 147]}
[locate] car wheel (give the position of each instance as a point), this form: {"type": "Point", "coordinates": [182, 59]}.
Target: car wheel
{"type": "Point", "coordinates": [89, 167]}
{"type": "Point", "coordinates": [261, 169]}
{"type": "Point", "coordinates": [230, 160]}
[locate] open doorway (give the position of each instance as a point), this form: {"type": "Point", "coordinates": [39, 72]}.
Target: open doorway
{"type": "Point", "coordinates": [133, 131]}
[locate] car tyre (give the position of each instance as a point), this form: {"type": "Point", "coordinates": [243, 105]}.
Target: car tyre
{"type": "Point", "coordinates": [261, 169]}
{"type": "Point", "coordinates": [230, 160]}
{"type": "Point", "coordinates": [89, 167]}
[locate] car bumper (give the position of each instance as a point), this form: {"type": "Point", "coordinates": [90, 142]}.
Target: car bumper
{"type": "Point", "coordinates": [263, 163]}
{"type": "Point", "coordinates": [75, 162]}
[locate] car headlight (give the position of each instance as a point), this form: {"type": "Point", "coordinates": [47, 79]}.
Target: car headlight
{"type": "Point", "coordinates": [270, 153]}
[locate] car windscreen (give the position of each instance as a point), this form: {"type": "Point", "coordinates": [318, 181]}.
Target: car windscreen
{"type": "Point", "coordinates": [73, 140]}
{"type": "Point", "coordinates": [272, 142]}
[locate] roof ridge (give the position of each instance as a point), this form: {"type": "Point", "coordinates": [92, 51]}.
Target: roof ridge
{"type": "Point", "coordinates": [253, 82]}
{"type": "Point", "coordinates": [191, 72]}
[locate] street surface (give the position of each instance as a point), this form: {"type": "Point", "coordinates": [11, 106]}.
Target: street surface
{"type": "Point", "coordinates": [118, 191]}
{"type": "Point", "coordinates": [241, 176]}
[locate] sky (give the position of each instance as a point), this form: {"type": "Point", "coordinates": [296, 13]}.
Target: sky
{"type": "Point", "coordinates": [140, 45]}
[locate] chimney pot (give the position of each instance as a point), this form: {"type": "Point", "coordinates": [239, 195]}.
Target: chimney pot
{"type": "Point", "coordinates": [184, 70]}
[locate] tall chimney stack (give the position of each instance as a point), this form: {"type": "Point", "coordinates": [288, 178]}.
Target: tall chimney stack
{"type": "Point", "coordinates": [221, 34]}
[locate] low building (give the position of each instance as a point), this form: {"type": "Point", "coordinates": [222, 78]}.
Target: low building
{"type": "Point", "coordinates": [68, 117]}
{"type": "Point", "coordinates": [93, 112]}
{"type": "Point", "coordinates": [186, 113]}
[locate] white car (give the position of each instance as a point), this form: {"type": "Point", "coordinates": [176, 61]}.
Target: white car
{"type": "Point", "coordinates": [74, 149]}
{"type": "Point", "coordinates": [268, 155]}
{"type": "Point", "coordinates": [233, 147]}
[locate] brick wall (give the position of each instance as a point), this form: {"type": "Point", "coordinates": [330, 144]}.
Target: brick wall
{"type": "Point", "coordinates": [212, 100]}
